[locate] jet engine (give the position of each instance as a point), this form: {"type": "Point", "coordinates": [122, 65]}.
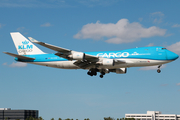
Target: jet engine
{"type": "Point", "coordinates": [77, 56]}
{"type": "Point", "coordinates": [121, 70]}
{"type": "Point", "coordinates": [108, 62]}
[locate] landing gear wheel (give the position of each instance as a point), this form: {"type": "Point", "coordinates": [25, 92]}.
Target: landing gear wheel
{"type": "Point", "coordinates": [95, 73]}
{"type": "Point", "coordinates": [89, 73]}
{"type": "Point", "coordinates": [101, 76]}
{"type": "Point", "coordinates": [102, 73]}
{"type": "Point", "coordinates": [158, 70]}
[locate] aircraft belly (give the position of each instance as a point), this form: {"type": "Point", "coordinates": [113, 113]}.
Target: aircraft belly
{"type": "Point", "coordinates": [129, 63]}
{"type": "Point", "coordinates": [145, 62]}
{"type": "Point", "coordinates": [136, 63]}
{"type": "Point", "coordinates": [67, 65]}
{"type": "Point", "coordinates": [58, 64]}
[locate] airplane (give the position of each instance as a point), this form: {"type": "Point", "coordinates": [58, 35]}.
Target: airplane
{"type": "Point", "coordinates": [103, 62]}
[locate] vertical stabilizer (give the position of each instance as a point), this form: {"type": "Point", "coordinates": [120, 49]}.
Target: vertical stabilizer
{"type": "Point", "coordinates": [23, 45]}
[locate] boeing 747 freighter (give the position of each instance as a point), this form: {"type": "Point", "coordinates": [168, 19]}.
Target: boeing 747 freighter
{"type": "Point", "coordinates": [103, 62]}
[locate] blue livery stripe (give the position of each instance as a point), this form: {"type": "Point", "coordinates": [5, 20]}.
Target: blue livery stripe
{"type": "Point", "coordinates": [151, 53]}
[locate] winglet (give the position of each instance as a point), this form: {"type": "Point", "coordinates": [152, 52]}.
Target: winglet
{"type": "Point", "coordinates": [33, 40]}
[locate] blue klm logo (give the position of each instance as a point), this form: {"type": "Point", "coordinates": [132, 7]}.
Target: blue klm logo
{"type": "Point", "coordinates": [25, 45]}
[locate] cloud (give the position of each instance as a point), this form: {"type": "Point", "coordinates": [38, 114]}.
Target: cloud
{"type": "Point", "coordinates": [140, 19]}
{"type": "Point", "coordinates": [93, 3]}
{"type": "Point", "coordinates": [33, 3]}
{"type": "Point", "coordinates": [46, 25]}
{"type": "Point", "coordinates": [157, 17]}
{"type": "Point", "coordinates": [55, 3]}
{"type": "Point", "coordinates": [121, 32]}
{"type": "Point", "coordinates": [178, 84]}
{"type": "Point", "coordinates": [20, 28]}
{"type": "Point", "coordinates": [2, 25]}
{"type": "Point", "coordinates": [17, 3]}
{"type": "Point", "coordinates": [175, 47]}
{"type": "Point", "coordinates": [176, 25]}
{"type": "Point", "coordinates": [150, 44]}
{"type": "Point", "coordinates": [4, 63]}
{"type": "Point", "coordinates": [17, 64]}
{"type": "Point", "coordinates": [157, 14]}
{"type": "Point", "coordinates": [152, 67]}
{"type": "Point", "coordinates": [169, 34]}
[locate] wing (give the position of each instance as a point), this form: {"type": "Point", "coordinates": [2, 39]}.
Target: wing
{"type": "Point", "coordinates": [63, 52]}
{"type": "Point", "coordinates": [19, 56]}
{"type": "Point", "coordinates": [81, 58]}
{"type": "Point", "coordinates": [52, 47]}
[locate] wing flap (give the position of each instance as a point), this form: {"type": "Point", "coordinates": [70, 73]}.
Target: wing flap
{"type": "Point", "coordinates": [91, 58]}
{"type": "Point", "coordinates": [19, 56]}
{"type": "Point", "coordinates": [84, 64]}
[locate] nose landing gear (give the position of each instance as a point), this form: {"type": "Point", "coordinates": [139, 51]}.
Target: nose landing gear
{"type": "Point", "coordinates": [158, 70]}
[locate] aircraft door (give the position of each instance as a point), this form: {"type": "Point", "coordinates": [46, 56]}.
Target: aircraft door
{"type": "Point", "coordinates": [161, 53]}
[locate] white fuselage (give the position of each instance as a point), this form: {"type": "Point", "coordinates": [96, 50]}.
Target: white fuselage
{"type": "Point", "coordinates": [129, 63]}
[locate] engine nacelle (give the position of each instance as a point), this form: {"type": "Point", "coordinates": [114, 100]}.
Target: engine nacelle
{"type": "Point", "coordinates": [121, 70]}
{"type": "Point", "coordinates": [104, 70]}
{"type": "Point", "coordinates": [77, 56]}
{"type": "Point", "coordinates": [108, 62]}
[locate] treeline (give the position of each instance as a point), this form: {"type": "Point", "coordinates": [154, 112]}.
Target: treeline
{"type": "Point", "coordinates": [105, 118]}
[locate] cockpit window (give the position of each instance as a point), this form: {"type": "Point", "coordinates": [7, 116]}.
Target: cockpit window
{"type": "Point", "coordinates": [163, 48]}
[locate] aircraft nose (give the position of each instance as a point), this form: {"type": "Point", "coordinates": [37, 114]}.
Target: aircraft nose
{"type": "Point", "coordinates": [171, 55]}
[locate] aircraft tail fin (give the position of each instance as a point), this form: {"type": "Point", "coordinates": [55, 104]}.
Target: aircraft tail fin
{"type": "Point", "coordinates": [23, 45]}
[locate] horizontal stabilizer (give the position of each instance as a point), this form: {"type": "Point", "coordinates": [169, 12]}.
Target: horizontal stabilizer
{"type": "Point", "coordinates": [19, 56]}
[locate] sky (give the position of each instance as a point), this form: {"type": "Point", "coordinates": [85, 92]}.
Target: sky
{"type": "Point", "coordinates": [90, 25]}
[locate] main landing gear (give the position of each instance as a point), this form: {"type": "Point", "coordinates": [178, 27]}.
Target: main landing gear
{"type": "Point", "coordinates": [93, 72]}
{"type": "Point", "coordinates": [158, 70]}
{"type": "Point", "coordinates": [102, 74]}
